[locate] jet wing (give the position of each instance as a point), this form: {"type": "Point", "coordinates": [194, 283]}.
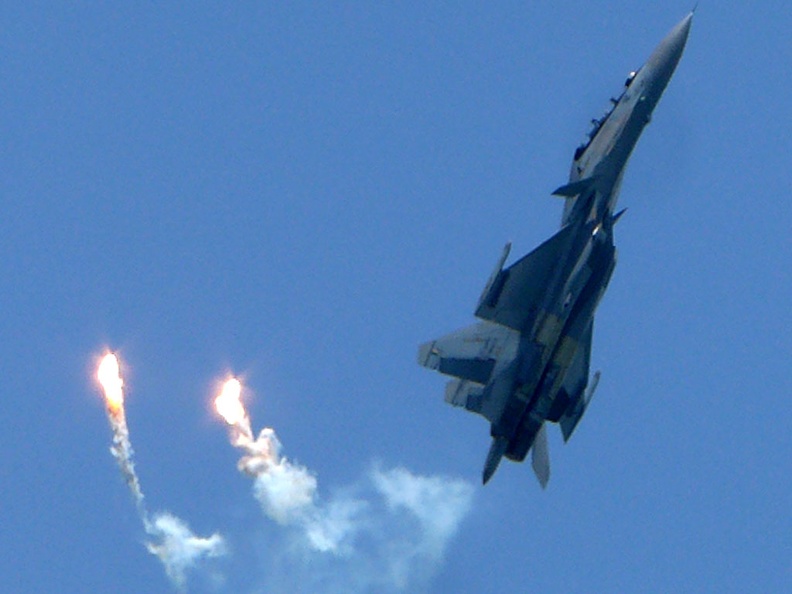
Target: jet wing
{"type": "Point", "coordinates": [516, 293]}
{"type": "Point", "coordinates": [575, 384]}
{"type": "Point", "coordinates": [578, 372]}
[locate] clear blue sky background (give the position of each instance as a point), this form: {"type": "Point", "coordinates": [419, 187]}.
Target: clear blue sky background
{"type": "Point", "coordinates": [302, 194]}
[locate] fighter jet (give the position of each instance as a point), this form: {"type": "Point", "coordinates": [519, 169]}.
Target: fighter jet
{"type": "Point", "coordinates": [527, 361]}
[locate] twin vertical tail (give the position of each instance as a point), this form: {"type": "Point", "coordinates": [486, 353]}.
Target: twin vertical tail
{"type": "Point", "coordinates": [496, 451]}
{"type": "Point", "coordinates": [540, 457]}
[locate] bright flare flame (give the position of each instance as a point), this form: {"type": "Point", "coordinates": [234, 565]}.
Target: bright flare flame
{"type": "Point", "coordinates": [109, 377]}
{"type": "Point", "coordinates": [228, 403]}
{"type": "Point", "coordinates": [172, 541]}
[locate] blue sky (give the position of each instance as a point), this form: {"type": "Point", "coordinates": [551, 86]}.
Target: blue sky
{"type": "Point", "coordinates": [301, 195]}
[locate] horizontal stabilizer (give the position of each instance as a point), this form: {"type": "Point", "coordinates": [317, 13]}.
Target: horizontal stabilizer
{"type": "Point", "coordinates": [475, 355]}
{"type": "Point", "coordinates": [575, 188]}
{"type": "Point", "coordinates": [466, 395]}
{"type": "Point", "coordinates": [475, 370]}
{"type": "Point", "coordinates": [540, 457]}
{"type": "Point", "coordinates": [470, 353]}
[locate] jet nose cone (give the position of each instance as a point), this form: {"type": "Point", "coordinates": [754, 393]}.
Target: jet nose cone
{"type": "Point", "coordinates": [665, 58]}
{"type": "Point", "coordinates": [663, 61]}
{"type": "Point", "coordinates": [675, 41]}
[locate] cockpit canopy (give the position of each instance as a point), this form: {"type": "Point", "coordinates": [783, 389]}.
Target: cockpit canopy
{"type": "Point", "coordinates": [597, 123]}
{"type": "Point", "coordinates": [596, 126]}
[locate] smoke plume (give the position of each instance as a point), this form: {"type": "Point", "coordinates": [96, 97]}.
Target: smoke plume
{"type": "Point", "coordinates": [173, 542]}
{"type": "Point", "coordinates": [387, 534]}
{"type": "Point", "coordinates": [178, 548]}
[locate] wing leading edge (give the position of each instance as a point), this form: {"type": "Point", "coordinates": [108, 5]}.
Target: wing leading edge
{"type": "Point", "coordinates": [515, 293]}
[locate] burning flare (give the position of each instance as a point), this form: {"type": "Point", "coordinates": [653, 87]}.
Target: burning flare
{"type": "Point", "coordinates": [173, 542]}
{"type": "Point", "coordinates": [109, 376]}
{"type": "Point", "coordinates": [286, 491]}
{"type": "Point", "coordinates": [406, 531]}
{"type": "Point", "coordinates": [228, 403]}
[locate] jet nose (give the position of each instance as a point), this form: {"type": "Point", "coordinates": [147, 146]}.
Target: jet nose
{"type": "Point", "coordinates": [665, 58]}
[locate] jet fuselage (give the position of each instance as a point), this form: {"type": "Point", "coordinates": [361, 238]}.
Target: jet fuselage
{"type": "Point", "coordinates": [527, 362]}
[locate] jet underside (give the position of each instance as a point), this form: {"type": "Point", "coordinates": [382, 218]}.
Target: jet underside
{"type": "Point", "coordinates": [526, 362]}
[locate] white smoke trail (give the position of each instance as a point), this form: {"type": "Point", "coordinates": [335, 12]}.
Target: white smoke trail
{"type": "Point", "coordinates": [178, 548]}
{"type": "Point", "coordinates": [438, 504]}
{"type": "Point", "coordinates": [175, 545]}
{"type": "Point", "coordinates": [109, 377]}
{"type": "Point", "coordinates": [387, 535]}
{"type": "Point", "coordinates": [390, 533]}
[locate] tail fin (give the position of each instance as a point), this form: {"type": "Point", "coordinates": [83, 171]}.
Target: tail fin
{"type": "Point", "coordinates": [540, 457]}
{"type": "Point", "coordinates": [496, 451]}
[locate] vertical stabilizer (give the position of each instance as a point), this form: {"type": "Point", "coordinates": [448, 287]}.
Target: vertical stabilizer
{"type": "Point", "coordinates": [540, 457]}
{"type": "Point", "coordinates": [496, 451]}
